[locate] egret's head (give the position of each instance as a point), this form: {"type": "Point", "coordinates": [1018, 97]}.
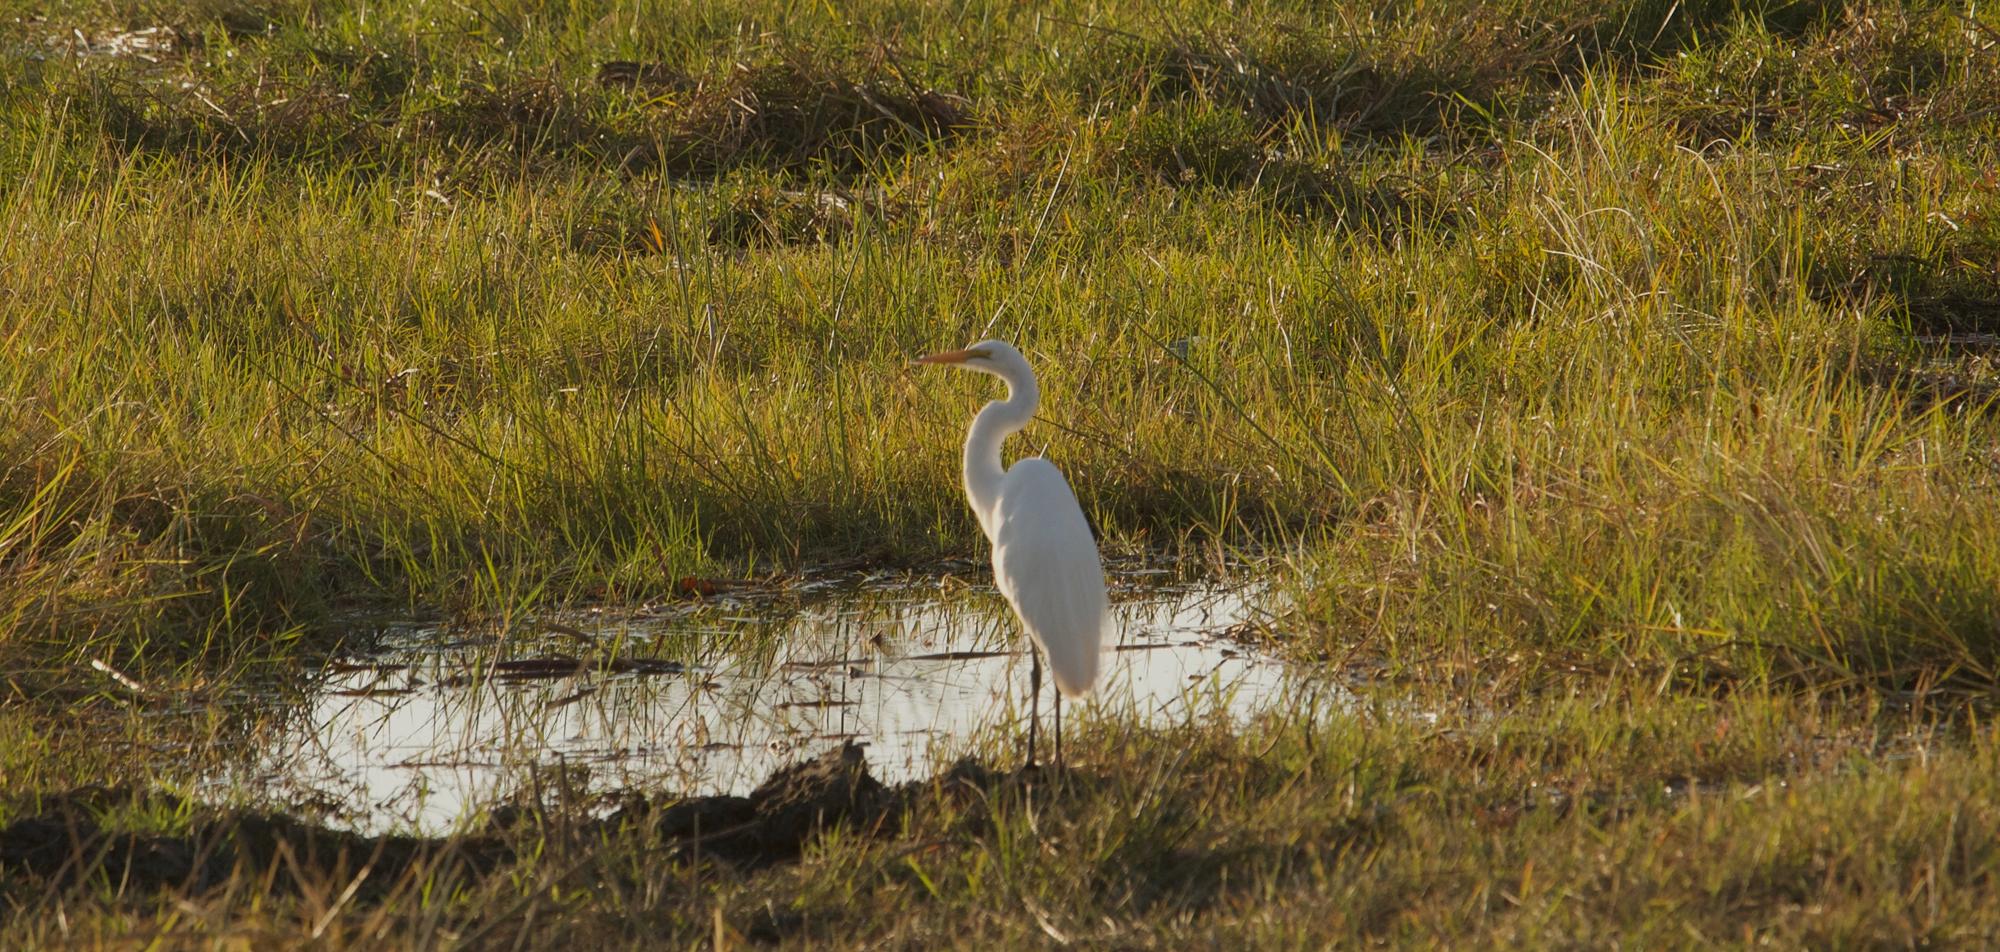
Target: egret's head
{"type": "Point", "coordinates": [987, 357]}
{"type": "Point", "coordinates": [995, 357]}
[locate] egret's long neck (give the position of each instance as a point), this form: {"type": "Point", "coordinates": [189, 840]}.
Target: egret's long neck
{"type": "Point", "coordinates": [995, 422]}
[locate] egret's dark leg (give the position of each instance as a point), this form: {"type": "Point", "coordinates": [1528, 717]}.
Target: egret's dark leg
{"type": "Point", "coordinates": [1034, 700]}
{"type": "Point", "coordinates": [1059, 729]}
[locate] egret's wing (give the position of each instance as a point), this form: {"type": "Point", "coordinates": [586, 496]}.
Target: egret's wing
{"type": "Point", "coordinates": [1045, 562]}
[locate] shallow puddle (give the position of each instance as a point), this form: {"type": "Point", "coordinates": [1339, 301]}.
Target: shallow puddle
{"type": "Point", "coordinates": [711, 697]}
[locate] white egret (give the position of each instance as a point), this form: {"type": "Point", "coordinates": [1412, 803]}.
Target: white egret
{"type": "Point", "coordinates": [1044, 558]}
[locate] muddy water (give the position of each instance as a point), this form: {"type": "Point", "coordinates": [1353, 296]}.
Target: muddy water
{"type": "Point", "coordinates": [711, 698]}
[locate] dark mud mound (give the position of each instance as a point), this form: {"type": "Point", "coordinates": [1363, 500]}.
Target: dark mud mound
{"type": "Point", "coordinates": [783, 814]}
{"type": "Point", "coordinates": [76, 837]}
{"type": "Point", "coordinates": [776, 820]}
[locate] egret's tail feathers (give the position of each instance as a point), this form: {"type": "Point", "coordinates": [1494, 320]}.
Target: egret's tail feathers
{"type": "Point", "coordinates": [1075, 669]}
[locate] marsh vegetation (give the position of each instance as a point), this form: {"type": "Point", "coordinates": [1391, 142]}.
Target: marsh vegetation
{"type": "Point", "coordinates": [1614, 386]}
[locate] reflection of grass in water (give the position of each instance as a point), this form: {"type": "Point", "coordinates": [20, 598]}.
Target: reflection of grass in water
{"type": "Point", "coordinates": [499, 709]}
{"type": "Point", "coordinates": [456, 717]}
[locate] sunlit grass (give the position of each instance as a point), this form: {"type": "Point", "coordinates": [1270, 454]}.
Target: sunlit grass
{"type": "Point", "coordinates": [1532, 347]}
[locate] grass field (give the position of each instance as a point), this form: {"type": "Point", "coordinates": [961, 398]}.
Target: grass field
{"type": "Point", "coordinates": [1618, 385]}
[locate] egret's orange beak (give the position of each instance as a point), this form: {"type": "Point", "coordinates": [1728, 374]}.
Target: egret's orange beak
{"type": "Point", "coordinates": [952, 356]}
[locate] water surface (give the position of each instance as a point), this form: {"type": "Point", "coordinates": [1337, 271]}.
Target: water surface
{"type": "Point", "coordinates": [711, 697]}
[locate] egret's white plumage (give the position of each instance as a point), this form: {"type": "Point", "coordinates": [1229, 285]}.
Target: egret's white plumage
{"type": "Point", "coordinates": [1044, 558]}
{"type": "Point", "coordinates": [1045, 562]}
